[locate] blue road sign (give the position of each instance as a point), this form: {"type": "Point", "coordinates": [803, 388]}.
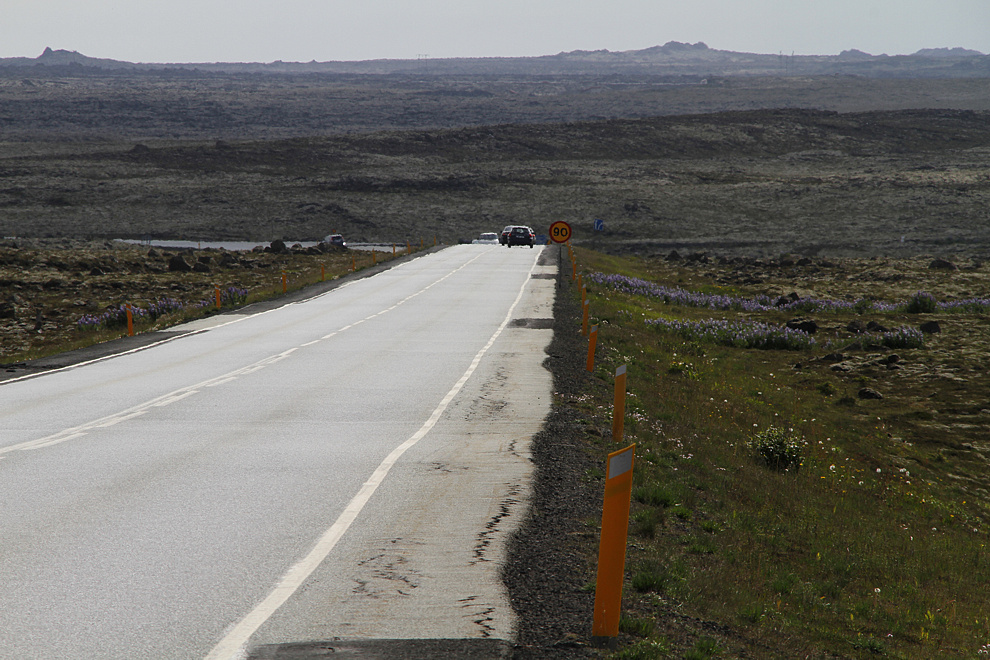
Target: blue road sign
{"type": "Point", "coordinates": [599, 224]}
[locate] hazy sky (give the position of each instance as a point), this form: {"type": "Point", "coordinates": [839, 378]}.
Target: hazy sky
{"type": "Point", "coordinates": [323, 30]}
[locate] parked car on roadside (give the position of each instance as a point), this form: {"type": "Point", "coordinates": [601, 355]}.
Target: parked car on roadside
{"type": "Point", "coordinates": [521, 236]}
{"type": "Point", "coordinates": [335, 239]}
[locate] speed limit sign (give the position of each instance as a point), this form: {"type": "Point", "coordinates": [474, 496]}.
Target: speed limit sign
{"type": "Point", "coordinates": [560, 232]}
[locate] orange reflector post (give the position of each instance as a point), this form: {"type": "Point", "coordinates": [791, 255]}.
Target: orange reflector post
{"type": "Point", "coordinates": [218, 296]}
{"type": "Point", "coordinates": [592, 341]}
{"type": "Point", "coordinates": [353, 263]}
{"type": "Point", "coordinates": [285, 282]}
{"type": "Point", "coordinates": [393, 249]}
{"type": "Point", "coordinates": [619, 408]}
{"type": "Point", "coordinates": [130, 322]}
{"type": "Point", "coordinates": [612, 546]}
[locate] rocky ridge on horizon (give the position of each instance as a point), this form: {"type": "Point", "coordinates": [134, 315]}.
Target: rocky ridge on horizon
{"type": "Point", "coordinates": [672, 59]}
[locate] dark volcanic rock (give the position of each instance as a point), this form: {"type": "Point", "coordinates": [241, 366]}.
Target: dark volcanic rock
{"type": "Point", "coordinates": [278, 247]}
{"type": "Point", "coordinates": [930, 327]}
{"type": "Point", "coordinates": [869, 393]}
{"type": "Point", "coordinates": [804, 325]}
{"type": "Point", "coordinates": [177, 264]}
{"type": "Point", "coordinates": [942, 264]}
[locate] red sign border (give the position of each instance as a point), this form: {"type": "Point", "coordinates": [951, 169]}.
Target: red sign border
{"type": "Point", "coordinates": [554, 224]}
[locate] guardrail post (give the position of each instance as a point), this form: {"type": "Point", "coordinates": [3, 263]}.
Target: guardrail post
{"type": "Point", "coordinates": [619, 406]}
{"type": "Point", "coordinates": [592, 342]}
{"type": "Point", "coordinates": [612, 546]}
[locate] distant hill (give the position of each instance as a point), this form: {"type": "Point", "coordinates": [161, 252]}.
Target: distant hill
{"type": "Point", "coordinates": [671, 59]}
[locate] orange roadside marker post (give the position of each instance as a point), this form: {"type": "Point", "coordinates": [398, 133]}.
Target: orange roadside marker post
{"type": "Point", "coordinates": [592, 342]}
{"type": "Point", "coordinates": [285, 282]}
{"type": "Point", "coordinates": [393, 250]}
{"type": "Point", "coordinates": [130, 321]}
{"type": "Point", "coordinates": [218, 296]}
{"type": "Point", "coordinates": [323, 273]}
{"type": "Point", "coordinates": [612, 546]}
{"type": "Point", "coordinates": [619, 407]}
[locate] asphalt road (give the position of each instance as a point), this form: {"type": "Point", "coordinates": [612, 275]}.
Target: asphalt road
{"type": "Point", "coordinates": [347, 466]}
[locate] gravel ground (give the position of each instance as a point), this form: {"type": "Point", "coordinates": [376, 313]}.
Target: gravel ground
{"type": "Point", "coordinates": [552, 558]}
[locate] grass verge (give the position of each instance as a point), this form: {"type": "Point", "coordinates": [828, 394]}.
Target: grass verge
{"type": "Point", "coordinates": [777, 503]}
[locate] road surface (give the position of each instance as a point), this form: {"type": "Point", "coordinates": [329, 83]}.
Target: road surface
{"type": "Point", "coordinates": [348, 466]}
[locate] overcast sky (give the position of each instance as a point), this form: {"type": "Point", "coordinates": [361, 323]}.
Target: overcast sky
{"type": "Point", "coordinates": [324, 30]}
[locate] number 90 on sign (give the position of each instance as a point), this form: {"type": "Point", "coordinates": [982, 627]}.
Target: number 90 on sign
{"type": "Point", "coordinates": [560, 232]}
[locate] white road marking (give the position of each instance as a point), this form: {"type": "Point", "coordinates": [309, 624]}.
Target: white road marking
{"type": "Point", "coordinates": [164, 400]}
{"type": "Point", "coordinates": [233, 645]}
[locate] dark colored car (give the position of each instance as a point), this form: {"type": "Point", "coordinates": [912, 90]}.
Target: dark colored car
{"type": "Point", "coordinates": [335, 239]}
{"type": "Point", "coordinates": [521, 236]}
{"type": "Point", "coordinates": [504, 236]}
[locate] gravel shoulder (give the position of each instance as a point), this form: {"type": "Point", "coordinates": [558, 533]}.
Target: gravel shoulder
{"type": "Point", "coordinates": [551, 559]}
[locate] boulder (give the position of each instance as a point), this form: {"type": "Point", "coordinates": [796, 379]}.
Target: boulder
{"type": "Point", "coordinates": [930, 327]}
{"type": "Point", "coordinates": [804, 325]}
{"type": "Point", "coordinates": [278, 247]}
{"type": "Point", "coordinates": [942, 264]}
{"type": "Point", "coordinates": [177, 264]}
{"type": "Point", "coordinates": [869, 393]}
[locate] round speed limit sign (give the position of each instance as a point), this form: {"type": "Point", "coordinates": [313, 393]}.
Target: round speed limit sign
{"type": "Point", "coordinates": [560, 232]}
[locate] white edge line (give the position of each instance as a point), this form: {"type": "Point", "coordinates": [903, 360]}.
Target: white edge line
{"type": "Point", "coordinates": [232, 645]}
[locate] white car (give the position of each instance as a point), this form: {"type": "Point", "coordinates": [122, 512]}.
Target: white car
{"type": "Point", "coordinates": [487, 238]}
